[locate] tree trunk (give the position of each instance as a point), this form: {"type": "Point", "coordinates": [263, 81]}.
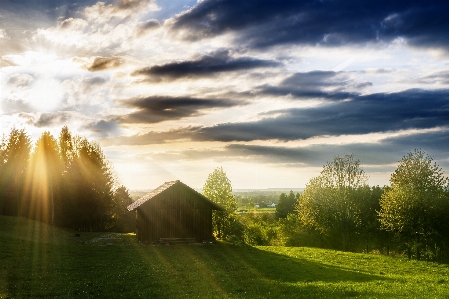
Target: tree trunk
{"type": "Point", "coordinates": [52, 205]}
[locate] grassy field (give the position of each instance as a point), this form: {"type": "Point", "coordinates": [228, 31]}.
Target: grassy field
{"type": "Point", "coordinates": [39, 261]}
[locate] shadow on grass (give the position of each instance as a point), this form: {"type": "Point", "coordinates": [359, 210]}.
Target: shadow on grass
{"type": "Point", "coordinates": [247, 272]}
{"type": "Point", "coordinates": [67, 268]}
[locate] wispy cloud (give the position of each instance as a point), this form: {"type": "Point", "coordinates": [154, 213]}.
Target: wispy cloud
{"type": "Point", "coordinates": [156, 109]}
{"type": "Point", "coordinates": [204, 66]}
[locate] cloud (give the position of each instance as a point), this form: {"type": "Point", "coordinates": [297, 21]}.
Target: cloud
{"type": "Point", "coordinates": [147, 26]}
{"type": "Point", "coordinates": [439, 78]}
{"type": "Point", "coordinates": [153, 137]}
{"type": "Point", "coordinates": [102, 12]}
{"type": "Point", "coordinates": [132, 4]}
{"type": "Point", "coordinates": [20, 80]}
{"type": "Point", "coordinates": [3, 34]}
{"type": "Point", "coordinates": [5, 62]}
{"type": "Point", "coordinates": [52, 119]}
{"type": "Point", "coordinates": [103, 128]}
{"type": "Point", "coordinates": [386, 152]}
{"type": "Point", "coordinates": [381, 112]}
{"type": "Point", "coordinates": [10, 106]}
{"type": "Point", "coordinates": [73, 24]}
{"type": "Point", "coordinates": [317, 84]}
{"type": "Point", "coordinates": [378, 156]}
{"type": "Point", "coordinates": [206, 65]}
{"type": "Point", "coordinates": [328, 23]}
{"type": "Point", "coordinates": [100, 29]}
{"type": "Point", "coordinates": [156, 109]}
{"type": "Point", "coordinates": [105, 63]}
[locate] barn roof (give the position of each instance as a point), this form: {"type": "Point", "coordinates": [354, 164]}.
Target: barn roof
{"type": "Point", "coordinates": [162, 188]}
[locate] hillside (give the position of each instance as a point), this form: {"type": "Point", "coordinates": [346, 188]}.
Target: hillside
{"type": "Point", "coordinates": [42, 261]}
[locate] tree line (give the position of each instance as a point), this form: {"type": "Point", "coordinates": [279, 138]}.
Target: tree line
{"type": "Point", "coordinates": [338, 209]}
{"type": "Point", "coordinates": [64, 181]}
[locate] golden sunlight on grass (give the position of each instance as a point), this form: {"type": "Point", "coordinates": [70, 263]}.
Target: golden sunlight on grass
{"type": "Point", "coordinates": [43, 261]}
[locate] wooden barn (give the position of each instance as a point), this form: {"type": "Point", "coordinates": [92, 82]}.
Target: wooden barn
{"type": "Point", "coordinates": [173, 211]}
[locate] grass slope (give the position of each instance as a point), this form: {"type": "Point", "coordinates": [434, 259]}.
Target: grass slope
{"type": "Point", "coordinates": [39, 261]}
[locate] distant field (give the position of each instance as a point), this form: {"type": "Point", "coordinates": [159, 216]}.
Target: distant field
{"type": "Point", "coordinates": [39, 261]}
{"type": "Point", "coordinates": [256, 210]}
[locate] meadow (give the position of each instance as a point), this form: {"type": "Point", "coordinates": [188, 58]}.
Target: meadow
{"type": "Point", "coordinates": [40, 261]}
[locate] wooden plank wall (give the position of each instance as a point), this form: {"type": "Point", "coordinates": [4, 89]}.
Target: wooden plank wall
{"type": "Point", "coordinates": [175, 213]}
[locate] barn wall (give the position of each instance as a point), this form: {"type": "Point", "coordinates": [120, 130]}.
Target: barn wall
{"type": "Point", "coordinates": [175, 213]}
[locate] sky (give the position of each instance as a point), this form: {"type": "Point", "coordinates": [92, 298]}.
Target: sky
{"type": "Point", "coordinates": [269, 90]}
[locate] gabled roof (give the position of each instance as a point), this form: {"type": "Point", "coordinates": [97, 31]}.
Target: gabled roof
{"type": "Point", "coordinates": [162, 188]}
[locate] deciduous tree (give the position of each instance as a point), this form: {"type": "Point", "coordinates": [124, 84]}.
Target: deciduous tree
{"type": "Point", "coordinates": [218, 189]}
{"type": "Point", "coordinates": [330, 203]}
{"type": "Point", "coordinates": [415, 206]}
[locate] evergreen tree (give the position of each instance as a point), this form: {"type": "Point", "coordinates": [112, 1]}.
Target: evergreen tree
{"type": "Point", "coordinates": [43, 180]}
{"type": "Point", "coordinates": [124, 221]}
{"type": "Point", "coordinates": [286, 204]}
{"type": "Point", "coordinates": [16, 155]}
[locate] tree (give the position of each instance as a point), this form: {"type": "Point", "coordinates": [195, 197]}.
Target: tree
{"type": "Point", "coordinates": [44, 177]}
{"type": "Point", "coordinates": [3, 145]}
{"type": "Point", "coordinates": [218, 189]}
{"type": "Point", "coordinates": [93, 180]}
{"type": "Point", "coordinates": [124, 220]}
{"type": "Point", "coordinates": [286, 204]}
{"type": "Point", "coordinates": [415, 206]}
{"type": "Point", "coordinates": [16, 156]}
{"type": "Point", "coordinates": [330, 203]}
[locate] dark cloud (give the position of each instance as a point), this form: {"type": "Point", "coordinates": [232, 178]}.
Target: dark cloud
{"type": "Point", "coordinates": [418, 109]}
{"type": "Point", "coordinates": [384, 152]}
{"type": "Point", "coordinates": [103, 128]}
{"type": "Point", "coordinates": [436, 78]}
{"type": "Point", "coordinates": [131, 4]}
{"type": "Point", "coordinates": [156, 109]}
{"type": "Point", "coordinates": [96, 80]}
{"type": "Point", "coordinates": [216, 62]}
{"type": "Point", "coordinates": [410, 109]}
{"type": "Point", "coordinates": [147, 26]}
{"type": "Point", "coordinates": [105, 63]}
{"type": "Point", "coordinates": [375, 156]}
{"type": "Point", "coordinates": [152, 137]}
{"type": "Point", "coordinates": [90, 84]}
{"type": "Point", "coordinates": [316, 84]}
{"type": "Point", "coordinates": [25, 14]}
{"type": "Point", "coordinates": [310, 22]}
{"type": "Point", "coordinates": [52, 119]}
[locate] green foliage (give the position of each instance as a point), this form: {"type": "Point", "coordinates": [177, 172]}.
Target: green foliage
{"type": "Point", "coordinates": [218, 189]}
{"type": "Point", "coordinates": [66, 182]}
{"type": "Point", "coordinates": [286, 204]}
{"type": "Point", "coordinates": [330, 204]}
{"type": "Point", "coordinates": [90, 185]}
{"type": "Point", "coordinates": [416, 205]}
{"type": "Point", "coordinates": [15, 155]}
{"type": "Point", "coordinates": [43, 192]}
{"type": "Point", "coordinates": [124, 221]}
{"type": "Point", "coordinates": [259, 228]}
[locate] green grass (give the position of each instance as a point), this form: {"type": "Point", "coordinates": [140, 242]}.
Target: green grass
{"type": "Point", "coordinates": [39, 261]}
